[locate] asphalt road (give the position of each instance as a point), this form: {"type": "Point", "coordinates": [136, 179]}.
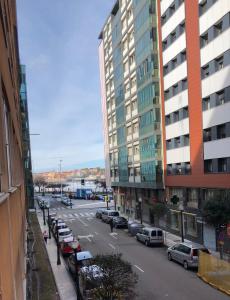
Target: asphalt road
{"type": "Point", "coordinates": [158, 278]}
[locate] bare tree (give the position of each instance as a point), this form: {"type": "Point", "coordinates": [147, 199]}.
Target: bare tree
{"type": "Point", "coordinates": [40, 181]}
{"type": "Point", "coordinates": [117, 281]}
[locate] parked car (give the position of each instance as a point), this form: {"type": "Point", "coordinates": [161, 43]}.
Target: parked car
{"type": "Point", "coordinates": [186, 253]}
{"type": "Point", "coordinates": [120, 222]}
{"type": "Point", "coordinates": [107, 215]}
{"type": "Point", "coordinates": [150, 236]}
{"type": "Point", "coordinates": [67, 246]}
{"type": "Point", "coordinates": [59, 220]}
{"type": "Point", "coordinates": [64, 233]}
{"type": "Point", "coordinates": [59, 226]}
{"type": "Point", "coordinates": [83, 259]}
{"type": "Point", "coordinates": [99, 212]}
{"type": "Point", "coordinates": [134, 228]}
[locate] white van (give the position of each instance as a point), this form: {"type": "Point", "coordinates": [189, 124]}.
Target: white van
{"type": "Point", "coordinates": [64, 233]}
{"type": "Point", "coordinates": [107, 215]}
{"type": "Point", "coordinates": [150, 236]}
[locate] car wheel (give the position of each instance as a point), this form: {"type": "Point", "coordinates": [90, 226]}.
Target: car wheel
{"type": "Point", "coordinates": [146, 243]}
{"type": "Point", "coordinates": [169, 256]}
{"type": "Point", "coordinates": [185, 265]}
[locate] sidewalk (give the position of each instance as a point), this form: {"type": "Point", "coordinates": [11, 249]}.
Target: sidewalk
{"type": "Point", "coordinates": [62, 277]}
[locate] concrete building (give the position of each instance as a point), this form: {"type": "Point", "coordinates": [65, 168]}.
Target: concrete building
{"type": "Point", "coordinates": [131, 107]}
{"type": "Point", "coordinates": [190, 42]}
{"type": "Point", "coordinates": [195, 88]}
{"type": "Point", "coordinates": [12, 193]}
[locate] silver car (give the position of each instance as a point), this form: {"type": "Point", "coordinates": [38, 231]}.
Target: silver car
{"type": "Point", "coordinates": [186, 253]}
{"type": "Point", "coordinates": [150, 236]}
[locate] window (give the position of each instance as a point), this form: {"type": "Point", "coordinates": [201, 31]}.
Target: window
{"type": "Point", "coordinates": [174, 63]}
{"type": "Point", "coordinates": [186, 140]}
{"type": "Point", "coordinates": [176, 116]}
{"type": "Point", "coordinates": [137, 171]}
{"type": "Point", "coordinates": [184, 84]}
{"type": "Point", "coordinates": [169, 169]}
{"type": "Point", "coordinates": [182, 27]}
{"type": "Point", "coordinates": [166, 94]}
{"type": "Point", "coordinates": [222, 164]}
{"type": "Point", "coordinates": [177, 142]}
{"type": "Point", "coordinates": [220, 98]}
{"type": "Point", "coordinates": [169, 144]}
{"type": "Point", "coordinates": [203, 7]}
{"type": "Point", "coordinates": [208, 166]}
{"type": "Point", "coordinates": [164, 44]}
{"type": "Point", "coordinates": [175, 89]}
{"type": "Point", "coordinates": [218, 28]}
{"type": "Point", "coordinates": [134, 105]}
{"type": "Point", "coordinates": [167, 120]}
{"type": "Point", "coordinates": [219, 63]}
{"type": "Point", "coordinates": [204, 39]}
{"type": "Point", "coordinates": [129, 130]}
{"type": "Point", "coordinates": [207, 135]}
{"type": "Point", "coordinates": [206, 103]}
{"type": "Point", "coordinates": [173, 36]}
{"type": "Point", "coordinates": [183, 56]}
{"type": "Point", "coordinates": [221, 131]}
{"type": "Point", "coordinates": [185, 112]}
{"type": "Point", "coordinates": [136, 150]}
{"type": "Point", "coordinates": [166, 69]}
{"type": "Point", "coordinates": [187, 168]}
{"type": "Point", "coordinates": [172, 9]}
{"type": "Point", "coordinates": [131, 59]}
{"type": "Point", "coordinates": [135, 128]}
{"type": "Point", "coordinates": [205, 71]}
{"type": "Point", "coordinates": [163, 19]}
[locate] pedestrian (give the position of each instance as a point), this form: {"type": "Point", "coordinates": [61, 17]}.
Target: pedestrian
{"type": "Point", "coordinates": [111, 224]}
{"type": "Point", "coordinates": [45, 236]}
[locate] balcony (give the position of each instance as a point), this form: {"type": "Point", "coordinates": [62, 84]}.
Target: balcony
{"type": "Point", "coordinates": [136, 135]}
{"type": "Point", "coordinates": [129, 138]}
{"type": "Point", "coordinates": [114, 125]}
{"type": "Point", "coordinates": [130, 20]}
{"type": "Point", "coordinates": [136, 157]}
{"type": "Point", "coordinates": [137, 178]}
{"type": "Point", "coordinates": [125, 51]}
{"type": "Point", "coordinates": [128, 116]}
{"type": "Point", "coordinates": [131, 178]}
{"type": "Point", "coordinates": [113, 106]}
{"type": "Point", "coordinates": [134, 112]}
{"type": "Point", "coordinates": [110, 128]}
{"type": "Point", "coordinates": [124, 29]}
{"type": "Point", "coordinates": [133, 89]}
{"type": "Point", "coordinates": [131, 43]}
{"type": "Point", "coordinates": [127, 94]}
{"type": "Point", "coordinates": [132, 67]}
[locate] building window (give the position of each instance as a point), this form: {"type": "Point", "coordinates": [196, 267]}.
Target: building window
{"type": "Point", "coordinates": [174, 63]}
{"type": "Point", "coordinates": [183, 56]}
{"type": "Point", "coordinates": [222, 165]}
{"type": "Point", "coordinates": [163, 19]}
{"type": "Point", "coordinates": [169, 144]}
{"type": "Point", "coordinates": [186, 140]}
{"type": "Point", "coordinates": [173, 36]}
{"type": "Point", "coordinates": [220, 98]}
{"type": "Point", "coordinates": [221, 131]}
{"type": "Point", "coordinates": [175, 89]}
{"type": "Point", "coordinates": [137, 171]}
{"type": "Point", "coordinates": [184, 84]}
{"type": "Point", "coordinates": [208, 166]}
{"type": "Point", "coordinates": [164, 44]}
{"type": "Point", "coordinates": [169, 169]}
{"type": "Point", "coordinates": [166, 69]}
{"type": "Point", "coordinates": [172, 9]}
{"type": "Point", "coordinates": [166, 94]}
{"type": "Point", "coordinates": [207, 135]}
{"type": "Point", "coordinates": [167, 120]}
{"type": "Point", "coordinates": [182, 27]}
{"type": "Point", "coordinates": [218, 28]}
{"type": "Point", "coordinates": [219, 63]}
{"type": "Point", "coordinates": [206, 103]}
{"type": "Point", "coordinates": [203, 7]}
{"type": "Point", "coordinates": [205, 71]}
{"type": "Point", "coordinates": [204, 39]}
{"type": "Point", "coordinates": [187, 168]}
{"type": "Point", "coordinates": [185, 112]}
{"type": "Point", "coordinates": [174, 220]}
{"type": "Point", "coordinates": [191, 225]}
{"type": "Point", "coordinates": [176, 116]}
{"type": "Point", "coordinates": [177, 142]}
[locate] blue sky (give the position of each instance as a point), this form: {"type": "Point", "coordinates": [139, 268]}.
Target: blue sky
{"type": "Point", "coordinates": [58, 42]}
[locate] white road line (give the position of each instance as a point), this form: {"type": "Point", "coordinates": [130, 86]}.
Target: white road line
{"type": "Point", "coordinates": [112, 246]}
{"type": "Point", "coordinates": [65, 216]}
{"type": "Point", "coordinates": [113, 236]}
{"type": "Point", "coordinates": [76, 215]}
{"type": "Point", "coordinates": [70, 215]}
{"type": "Point", "coordinates": [91, 214]}
{"type": "Point", "coordinates": [87, 214]}
{"type": "Point", "coordinates": [83, 222]}
{"type": "Point", "coordinates": [82, 215]}
{"type": "Point", "coordinates": [139, 268]}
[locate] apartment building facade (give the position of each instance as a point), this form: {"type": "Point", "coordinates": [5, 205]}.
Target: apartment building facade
{"type": "Point", "coordinates": [189, 44]}
{"type": "Point", "coordinates": [131, 107]}
{"type": "Point", "coordinates": [195, 87]}
{"type": "Point", "coordinates": [12, 193]}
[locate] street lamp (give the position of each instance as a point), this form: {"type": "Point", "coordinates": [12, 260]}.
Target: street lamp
{"type": "Point", "coordinates": [49, 222]}
{"type": "Point", "coordinates": [58, 246]}
{"type": "Point", "coordinates": [181, 209]}
{"type": "Point", "coordinates": [43, 211]}
{"type": "Point", "coordinates": [140, 207]}
{"type": "Point", "coordinates": [74, 246]}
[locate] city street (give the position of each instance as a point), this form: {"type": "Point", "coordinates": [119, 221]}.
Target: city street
{"type": "Point", "coordinates": [158, 278]}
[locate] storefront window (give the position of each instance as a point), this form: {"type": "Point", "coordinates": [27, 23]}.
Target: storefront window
{"type": "Point", "coordinates": [174, 220]}
{"type": "Point", "coordinates": [191, 224]}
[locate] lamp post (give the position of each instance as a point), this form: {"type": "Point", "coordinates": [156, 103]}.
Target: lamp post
{"type": "Point", "coordinates": [181, 209]}
{"type": "Point", "coordinates": [140, 207]}
{"type": "Point", "coordinates": [58, 246]}
{"type": "Point", "coordinates": [49, 222]}
{"type": "Point", "coordinates": [74, 246]}
{"type": "Point", "coordinates": [43, 211]}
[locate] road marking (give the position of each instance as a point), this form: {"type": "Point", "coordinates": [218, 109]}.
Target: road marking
{"type": "Point", "coordinates": [70, 215]}
{"type": "Point", "coordinates": [87, 214]}
{"type": "Point", "coordinates": [92, 214]}
{"type": "Point", "coordinates": [114, 235]}
{"type": "Point", "coordinates": [76, 215]}
{"type": "Point", "coordinates": [65, 216]}
{"type": "Point", "coordinates": [83, 222]}
{"type": "Point", "coordinates": [96, 233]}
{"type": "Point", "coordinates": [139, 268]}
{"type": "Point", "coordinates": [88, 237]}
{"type": "Point", "coordinates": [82, 215]}
{"type": "Point", "coordinates": [112, 246]}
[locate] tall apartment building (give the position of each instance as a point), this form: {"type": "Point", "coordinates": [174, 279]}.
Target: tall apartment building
{"type": "Point", "coordinates": [191, 41]}
{"type": "Point", "coordinates": [195, 88]}
{"type": "Point", "coordinates": [12, 194]}
{"type": "Point", "coordinates": [131, 107]}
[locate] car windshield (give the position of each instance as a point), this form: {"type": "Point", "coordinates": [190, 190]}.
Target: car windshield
{"type": "Point", "coordinates": [114, 213]}
{"type": "Point", "coordinates": [64, 233]}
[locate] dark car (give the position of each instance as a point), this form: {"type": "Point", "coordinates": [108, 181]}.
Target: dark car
{"type": "Point", "coordinates": [120, 222]}
{"type": "Point", "coordinates": [99, 212]}
{"type": "Point", "coordinates": [134, 228]}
